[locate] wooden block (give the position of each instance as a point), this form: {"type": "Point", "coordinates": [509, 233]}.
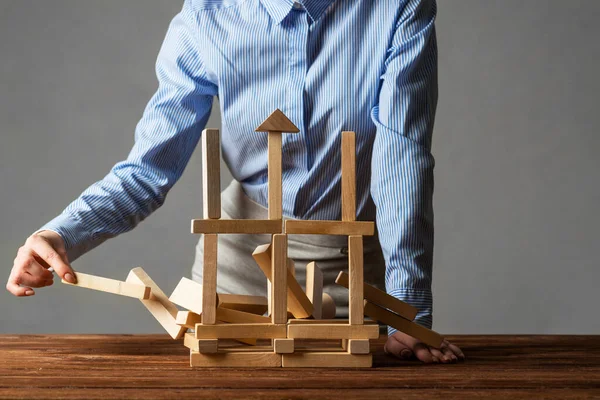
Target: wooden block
{"type": "Point", "coordinates": [188, 319]}
{"type": "Point", "coordinates": [283, 346]}
{"type": "Point", "coordinates": [200, 345]}
{"type": "Point", "coordinates": [188, 294]}
{"type": "Point", "coordinates": [209, 280]}
{"type": "Point", "coordinates": [291, 265]}
{"type": "Point", "coordinates": [277, 122]}
{"type": "Point", "coordinates": [279, 273]}
{"type": "Point", "coordinates": [274, 179]}
{"type": "Point", "coordinates": [297, 301]}
{"type": "Point", "coordinates": [328, 308]}
{"type": "Point", "coordinates": [242, 359]}
{"type": "Point", "coordinates": [211, 173]}
{"type": "Point", "coordinates": [358, 346]}
{"type": "Point", "coordinates": [158, 304]}
{"type": "Point", "coordinates": [345, 344]}
{"type": "Point", "coordinates": [241, 317]}
{"type": "Point", "coordinates": [344, 228]}
{"type": "Point", "coordinates": [314, 288]}
{"type": "Point", "coordinates": [326, 360]}
{"type": "Point", "coordinates": [384, 316]}
{"type": "Point", "coordinates": [236, 226]}
{"type": "Point", "coordinates": [348, 176]}
{"type": "Point", "coordinates": [381, 298]}
{"type": "Point", "coordinates": [110, 286]}
{"type": "Point", "coordinates": [332, 331]}
{"type": "Point", "coordinates": [241, 331]}
{"type": "Point", "coordinates": [356, 313]}
{"type": "Point", "coordinates": [251, 304]}
{"type": "Point", "coordinates": [326, 322]}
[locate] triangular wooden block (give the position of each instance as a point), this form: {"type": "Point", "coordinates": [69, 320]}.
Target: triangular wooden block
{"type": "Point", "coordinates": [277, 122]}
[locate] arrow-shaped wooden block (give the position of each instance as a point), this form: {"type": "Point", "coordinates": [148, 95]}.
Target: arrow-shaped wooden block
{"type": "Point", "coordinates": [276, 124]}
{"type": "Point", "coordinates": [298, 303]}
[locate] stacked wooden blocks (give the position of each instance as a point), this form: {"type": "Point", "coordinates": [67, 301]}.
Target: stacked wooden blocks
{"type": "Point", "coordinates": [299, 329]}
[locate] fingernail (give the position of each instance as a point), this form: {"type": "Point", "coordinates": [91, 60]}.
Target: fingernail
{"type": "Point", "coordinates": [406, 354]}
{"type": "Point", "coordinates": [69, 278]}
{"type": "Point", "coordinates": [446, 358]}
{"type": "Point", "coordinates": [29, 292]}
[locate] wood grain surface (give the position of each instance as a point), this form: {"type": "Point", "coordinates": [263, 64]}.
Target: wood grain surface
{"type": "Point", "coordinates": [155, 366]}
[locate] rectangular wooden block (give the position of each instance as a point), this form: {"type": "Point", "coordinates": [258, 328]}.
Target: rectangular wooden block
{"type": "Point", "coordinates": [241, 331]}
{"type": "Point", "coordinates": [188, 294]}
{"type": "Point", "coordinates": [283, 346]}
{"type": "Point", "coordinates": [381, 298]}
{"type": "Point", "coordinates": [236, 226]}
{"type": "Point", "coordinates": [356, 313]}
{"type": "Point", "coordinates": [211, 173]}
{"type": "Point", "coordinates": [158, 304]}
{"type": "Point", "coordinates": [200, 345]}
{"type": "Point", "coordinates": [188, 319]}
{"type": "Point", "coordinates": [244, 359]}
{"type": "Point", "coordinates": [358, 346]}
{"type": "Point", "coordinates": [252, 304]}
{"type": "Point", "coordinates": [274, 179]}
{"type": "Point", "coordinates": [209, 279]}
{"type": "Point", "coordinates": [240, 317]}
{"type": "Point", "coordinates": [314, 288]}
{"type": "Point", "coordinates": [325, 322]}
{"type": "Point", "coordinates": [362, 228]}
{"type": "Point", "coordinates": [384, 316]}
{"type": "Point", "coordinates": [298, 302]}
{"type": "Point", "coordinates": [348, 176]}
{"type": "Point", "coordinates": [326, 360]}
{"type": "Point", "coordinates": [110, 286]}
{"type": "Point", "coordinates": [332, 331]}
{"type": "Point", "coordinates": [279, 273]}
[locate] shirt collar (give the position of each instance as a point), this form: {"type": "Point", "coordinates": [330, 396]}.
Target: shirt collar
{"type": "Point", "coordinates": [279, 9]}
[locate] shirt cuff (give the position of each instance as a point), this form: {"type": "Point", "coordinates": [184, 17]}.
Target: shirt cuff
{"type": "Point", "coordinates": [78, 240]}
{"type": "Point", "coordinates": [420, 299]}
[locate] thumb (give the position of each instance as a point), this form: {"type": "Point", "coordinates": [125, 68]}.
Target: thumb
{"type": "Point", "coordinates": [398, 349]}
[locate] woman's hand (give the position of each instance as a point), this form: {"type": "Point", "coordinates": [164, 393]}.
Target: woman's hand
{"type": "Point", "coordinates": [41, 251]}
{"type": "Point", "coordinates": [405, 347]}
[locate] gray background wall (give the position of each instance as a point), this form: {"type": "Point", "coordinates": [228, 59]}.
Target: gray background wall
{"type": "Point", "coordinates": [516, 143]}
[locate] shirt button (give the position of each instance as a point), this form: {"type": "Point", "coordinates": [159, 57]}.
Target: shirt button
{"type": "Point", "coordinates": [297, 5]}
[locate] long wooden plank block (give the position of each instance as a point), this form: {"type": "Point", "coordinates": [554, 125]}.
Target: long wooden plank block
{"type": "Point", "coordinates": [252, 304]}
{"type": "Point", "coordinates": [298, 302]}
{"type": "Point", "coordinates": [348, 176]}
{"type": "Point", "coordinates": [241, 317]}
{"type": "Point", "coordinates": [325, 322]}
{"type": "Point", "coordinates": [158, 304]}
{"type": "Point", "coordinates": [314, 227]}
{"type": "Point", "coordinates": [356, 313]}
{"type": "Point", "coordinates": [323, 359]}
{"type": "Point", "coordinates": [246, 359]}
{"type": "Point", "coordinates": [211, 174]}
{"type": "Point", "coordinates": [381, 298]}
{"type": "Point", "coordinates": [384, 316]}
{"type": "Point", "coordinates": [274, 176]}
{"type": "Point", "coordinates": [241, 331]}
{"type": "Point", "coordinates": [110, 286]}
{"type": "Point", "coordinates": [332, 331]}
{"type": "Point", "coordinates": [188, 294]}
{"type": "Point", "coordinates": [209, 279]}
{"type": "Point", "coordinates": [314, 288]}
{"type": "Point", "coordinates": [188, 319]}
{"type": "Point", "coordinates": [236, 226]}
{"type": "Point", "coordinates": [279, 273]}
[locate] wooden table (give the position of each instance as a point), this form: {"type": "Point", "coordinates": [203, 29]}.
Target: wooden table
{"type": "Point", "coordinates": [154, 366]}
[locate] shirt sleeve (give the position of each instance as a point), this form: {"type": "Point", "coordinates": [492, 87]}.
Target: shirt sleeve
{"type": "Point", "coordinates": [402, 163]}
{"type": "Point", "coordinates": [165, 138]}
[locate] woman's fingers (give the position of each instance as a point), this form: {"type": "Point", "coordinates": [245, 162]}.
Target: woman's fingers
{"type": "Point", "coordinates": [422, 352]}
{"type": "Point", "coordinates": [398, 349]}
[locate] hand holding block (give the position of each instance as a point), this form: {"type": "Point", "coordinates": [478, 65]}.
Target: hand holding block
{"type": "Point", "coordinates": [158, 304]}
{"type": "Point", "coordinates": [110, 286]}
{"type": "Point", "coordinates": [380, 297]}
{"type": "Point", "coordinates": [384, 316]}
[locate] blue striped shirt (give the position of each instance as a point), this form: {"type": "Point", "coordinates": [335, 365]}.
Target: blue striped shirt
{"type": "Point", "coordinates": [366, 66]}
